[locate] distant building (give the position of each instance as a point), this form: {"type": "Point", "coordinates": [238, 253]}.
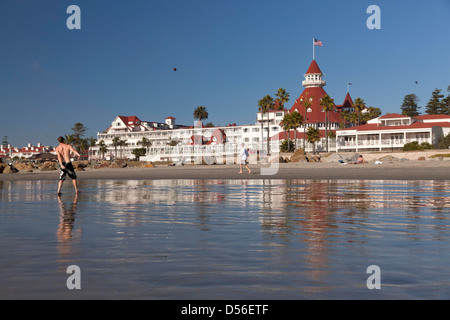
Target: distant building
{"type": "Point", "coordinates": [392, 131]}
{"type": "Point", "coordinates": [25, 152]}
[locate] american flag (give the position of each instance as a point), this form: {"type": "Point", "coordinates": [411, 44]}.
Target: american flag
{"type": "Point", "coordinates": [318, 42]}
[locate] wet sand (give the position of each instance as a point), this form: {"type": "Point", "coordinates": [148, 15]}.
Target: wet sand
{"type": "Point", "coordinates": [396, 170]}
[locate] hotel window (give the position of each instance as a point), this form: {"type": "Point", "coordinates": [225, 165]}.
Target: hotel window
{"type": "Point", "coordinates": [279, 114]}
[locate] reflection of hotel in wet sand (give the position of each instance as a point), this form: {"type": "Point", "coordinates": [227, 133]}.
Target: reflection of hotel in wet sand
{"type": "Point", "coordinates": [272, 194]}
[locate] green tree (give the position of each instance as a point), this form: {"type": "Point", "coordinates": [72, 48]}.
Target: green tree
{"type": "Point", "coordinates": [200, 113]}
{"type": "Point", "coordinates": [92, 142]}
{"type": "Point", "coordinates": [285, 146]}
{"type": "Point", "coordinates": [435, 105]}
{"type": "Point", "coordinates": [144, 142]}
{"type": "Point", "coordinates": [265, 105]}
{"type": "Point", "coordinates": [414, 145]}
{"type": "Point", "coordinates": [115, 143]}
{"type": "Point", "coordinates": [139, 152]}
{"type": "Point", "coordinates": [69, 138]}
{"type": "Point", "coordinates": [444, 142]}
{"type": "Point", "coordinates": [297, 121]}
{"type": "Point", "coordinates": [282, 98]}
{"type": "Point", "coordinates": [313, 136]}
{"type": "Point", "coordinates": [82, 145]}
{"type": "Point", "coordinates": [409, 106]}
{"type": "Point", "coordinates": [371, 112]}
{"type": "Point", "coordinates": [345, 116]}
{"type": "Point", "coordinates": [328, 105]}
{"type": "Point", "coordinates": [353, 118]}
{"type": "Point", "coordinates": [122, 145]}
{"type": "Point", "coordinates": [78, 132]}
{"type": "Point", "coordinates": [359, 106]}
{"type": "Point", "coordinates": [102, 148]}
{"type": "Point", "coordinates": [5, 141]}
{"type": "Point", "coordinates": [305, 102]}
{"type": "Point", "coordinates": [446, 102]}
{"type": "Point", "coordinates": [288, 124]}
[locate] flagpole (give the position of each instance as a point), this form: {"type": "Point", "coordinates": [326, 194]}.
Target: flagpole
{"type": "Point", "coordinates": [313, 48]}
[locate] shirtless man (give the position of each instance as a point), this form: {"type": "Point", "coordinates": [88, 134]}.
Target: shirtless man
{"type": "Point", "coordinates": [63, 152]}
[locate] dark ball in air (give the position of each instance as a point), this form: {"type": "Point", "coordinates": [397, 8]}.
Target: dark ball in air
{"type": "Point", "coordinates": [174, 69]}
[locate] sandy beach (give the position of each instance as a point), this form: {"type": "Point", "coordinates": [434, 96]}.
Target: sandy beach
{"type": "Point", "coordinates": [395, 170]}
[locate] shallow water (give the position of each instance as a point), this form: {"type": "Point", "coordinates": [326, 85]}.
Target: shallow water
{"type": "Point", "coordinates": [225, 239]}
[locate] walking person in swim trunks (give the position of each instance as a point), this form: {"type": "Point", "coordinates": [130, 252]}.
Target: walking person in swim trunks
{"type": "Point", "coordinates": [65, 165]}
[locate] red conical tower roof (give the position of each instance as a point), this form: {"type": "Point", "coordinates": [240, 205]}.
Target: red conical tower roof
{"type": "Point", "coordinates": [348, 102]}
{"type": "Point", "coordinates": [313, 68]}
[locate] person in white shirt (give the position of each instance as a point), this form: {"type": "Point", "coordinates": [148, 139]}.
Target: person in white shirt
{"type": "Point", "coordinates": [243, 155]}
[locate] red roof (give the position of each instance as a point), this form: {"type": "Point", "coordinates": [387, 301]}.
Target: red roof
{"type": "Point", "coordinates": [32, 149]}
{"type": "Point", "coordinates": [432, 116]}
{"type": "Point", "coordinates": [415, 125]}
{"type": "Point", "coordinates": [313, 68]}
{"type": "Point", "coordinates": [316, 115]}
{"type": "Point", "coordinates": [348, 102]}
{"type": "Point", "coordinates": [170, 118]}
{"type": "Point", "coordinates": [283, 135]}
{"type": "Point", "coordinates": [129, 119]}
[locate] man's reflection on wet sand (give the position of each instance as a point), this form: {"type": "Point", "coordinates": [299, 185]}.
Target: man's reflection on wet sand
{"type": "Point", "coordinates": [65, 233]}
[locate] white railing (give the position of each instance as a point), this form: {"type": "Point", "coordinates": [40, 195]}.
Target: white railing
{"type": "Point", "coordinates": [380, 143]}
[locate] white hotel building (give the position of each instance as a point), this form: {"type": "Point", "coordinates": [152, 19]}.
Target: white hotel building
{"type": "Point", "coordinates": [388, 132]}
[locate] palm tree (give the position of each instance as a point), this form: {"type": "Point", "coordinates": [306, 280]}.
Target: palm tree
{"type": "Point", "coordinates": [122, 145]}
{"type": "Point", "coordinates": [353, 118]}
{"type": "Point", "coordinates": [306, 103]}
{"type": "Point", "coordinates": [313, 135]}
{"type": "Point", "coordinates": [145, 143]}
{"type": "Point", "coordinates": [287, 126]}
{"type": "Point", "coordinates": [69, 138]}
{"type": "Point", "coordinates": [328, 105]}
{"type": "Point", "coordinates": [200, 113]}
{"type": "Point", "coordinates": [82, 146]}
{"type": "Point", "coordinates": [359, 106]}
{"type": "Point", "coordinates": [265, 105]}
{"type": "Point", "coordinates": [115, 143]}
{"type": "Point", "coordinates": [283, 97]}
{"type": "Point", "coordinates": [102, 148]}
{"type": "Point", "coordinates": [345, 116]}
{"type": "Point", "coordinates": [92, 143]}
{"type": "Point", "coordinates": [297, 121]}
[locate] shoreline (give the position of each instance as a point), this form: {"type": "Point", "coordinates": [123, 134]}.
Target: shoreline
{"type": "Point", "coordinates": [396, 170]}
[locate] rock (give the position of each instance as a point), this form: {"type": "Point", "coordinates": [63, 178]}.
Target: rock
{"type": "Point", "coordinates": [25, 167]}
{"type": "Point", "coordinates": [353, 158]}
{"type": "Point", "coordinates": [387, 158]}
{"type": "Point", "coordinates": [149, 165]}
{"type": "Point", "coordinates": [120, 164]}
{"type": "Point", "coordinates": [10, 169]}
{"type": "Point", "coordinates": [298, 156]}
{"type": "Point", "coordinates": [48, 166]}
{"type": "Point", "coordinates": [334, 157]}
{"type": "Point", "coordinates": [421, 159]}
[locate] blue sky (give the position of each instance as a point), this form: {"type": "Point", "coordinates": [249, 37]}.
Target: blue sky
{"type": "Point", "coordinates": [228, 55]}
